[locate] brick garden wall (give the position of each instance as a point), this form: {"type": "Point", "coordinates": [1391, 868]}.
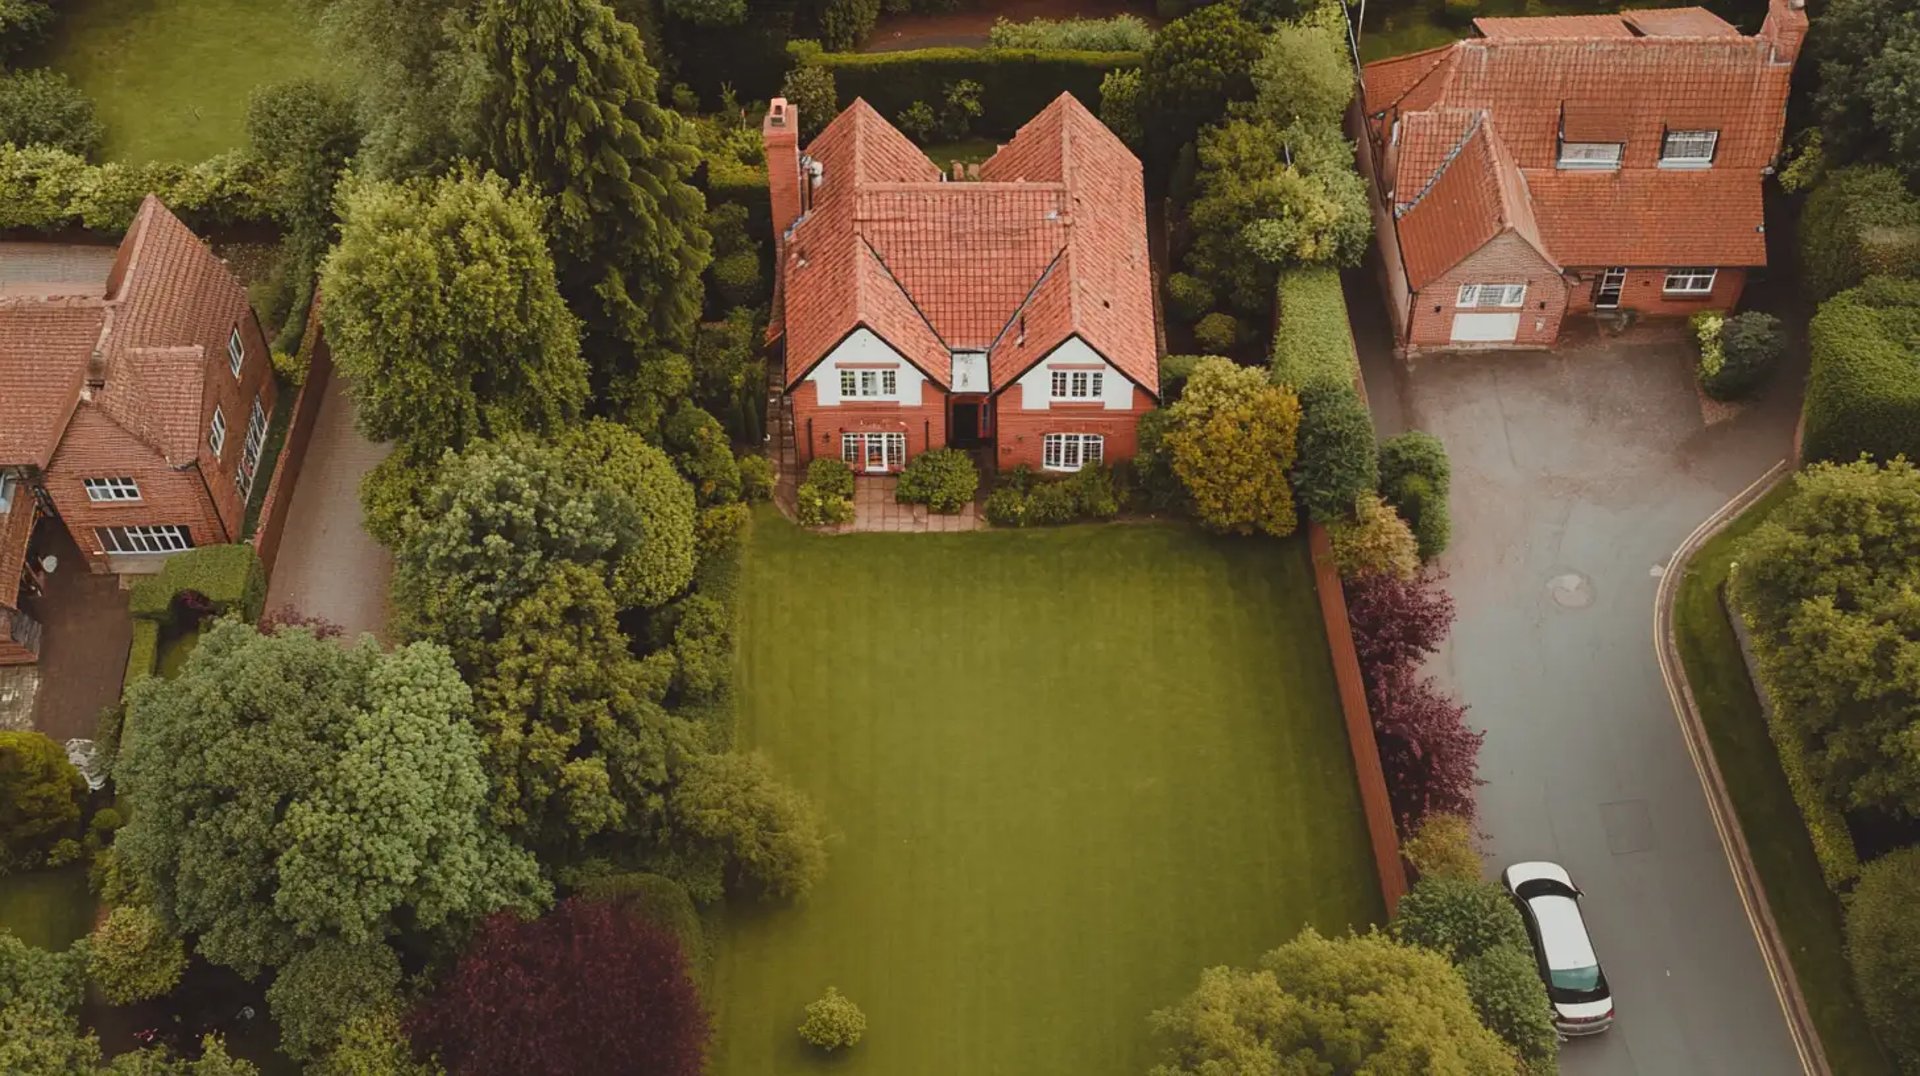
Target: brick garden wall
{"type": "Point", "coordinates": [272, 524]}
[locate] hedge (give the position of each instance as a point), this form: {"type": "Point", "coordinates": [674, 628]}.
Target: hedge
{"type": "Point", "coordinates": [742, 185]}
{"type": "Point", "coordinates": [1019, 82]}
{"type": "Point", "coordinates": [145, 652]}
{"type": "Point", "coordinates": [1861, 222]}
{"type": "Point", "coordinates": [47, 189]}
{"type": "Point", "coordinates": [1312, 344]}
{"type": "Point", "coordinates": [228, 575]}
{"type": "Point", "coordinates": [1863, 393]}
{"type": "Point", "coordinates": [1883, 941]}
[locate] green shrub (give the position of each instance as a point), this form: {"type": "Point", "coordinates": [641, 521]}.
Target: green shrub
{"type": "Point", "coordinates": [40, 796]}
{"type": "Point", "coordinates": [1024, 81]}
{"type": "Point", "coordinates": [1442, 846]}
{"type": "Point", "coordinates": [1120, 33]}
{"type": "Point", "coordinates": [1093, 493]}
{"type": "Point", "coordinates": [1007, 507]}
{"type": "Point", "coordinates": [41, 106]}
{"type": "Point", "coordinates": [227, 575]}
{"type": "Point", "coordinates": [1050, 503]}
{"type": "Point", "coordinates": [1416, 478]}
{"type": "Point", "coordinates": [1189, 297]}
{"type": "Point", "coordinates": [810, 88]}
{"type": "Point", "coordinates": [145, 651]}
{"type": "Point", "coordinates": [1156, 484]}
{"type": "Point", "coordinates": [943, 479]}
{"type": "Point", "coordinates": [326, 986]}
{"type": "Point", "coordinates": [1861, 222]}
{"type": "Point", "coordinates": [846, 23]}
{"type": "Point", "coordinates": [1122, 99]}
{"type": "Point", "coordinates": [756, 478]}
{"type": "Point", "coordinates": [833, 1022]}
{"type": "Point", "coordinates": [1883, 945]}
{"type": "Point", "coordinates": [1461, 12]}
{"type": "Point", "coordinates": [659, 900]}
{"type": "Point", "coordinates": [1747, 347]}
{"type": "Point", "coordinates": [132, 956]}
{"type": "Point", "coordinates": [1217, 333]}
{"type": "Point", "coordinates": [1460, 918]}
{"type": "Point", "coordinates": [826, 497]}
{"type": "Point", "coordinates": [1504, 983]}
{"type": "Point", "coordinates": [1863, 393]}
{"type": "Point", "coordinates": [1337, 460]}
{"type": "Point", "coordinates": [1415, 452]}
{"type": "Point", "coordinates": [23, 24]}
{"type": "Point", "coordinates": [1174, 371]}
{"type": "Point", "coordinates": [1376, 539]}
{"type": "Point", "coordinates": [64, 851]}
{"type": "Point", "coordinates": [736, 279]}
{"type": "Point", "coordinates": [1312, 343]}
{"type": "Point", "coordinates": [48, 189]}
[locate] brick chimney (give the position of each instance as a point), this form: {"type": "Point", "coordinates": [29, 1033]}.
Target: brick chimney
{"type": "Point", "coordinates": [1786, 27]}
{"type": "Point", "coordinates": [780, 133]}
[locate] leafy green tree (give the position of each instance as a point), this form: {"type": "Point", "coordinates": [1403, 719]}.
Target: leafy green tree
{"type": "Point", "coordinates": [1197, 65]}
{"type": "Point", "coordinates": [41, 106]}
{"type": "Point", "coordinates": [1869, 57]}
{"type": "Point", "coordinates": [769, 830]}
{"type": "Point", "coordinates": [1504, 983]}
{"type": "Point", "coordinates": [1338, 461]}
{"type": "Point", "coordinates": [338, 793]}
{"type": "Point", "coordinates": [443, 313]}
{"type": "Point", "coordinates": [708, 12]}
{"type": "Point", "coordinates": [572, 110]}
{"type": "Point", "coordinates": [1883, 944]}
{"type": "Point", "coordinates": [418, 77]}
{"type": "Point", "coordinates": [373, 1044]}
{"type": "Point", "coordinates": [1358, 1004]}
{"type": "Point", "coordinates": [1304, 76]}
{"type": "Point", "coordinates": [1460, 918]}
{"type": "Point", "coordinates": [37, 1039]}
{"type": "Point", "coordinates": [132, 956]}
{"type": "Point", "coordinates": [305, 130]}
{"type": "Point", "coordinates": [328, 985]}
{"type": "Point", "coordinates": [810, 88]}
{"type": "Point", "coordinates": [1232, 443]}
{"type": "Point", "coordinates": [1122, 94]}
{"type": "Point", "coordinates": [40, 794]}
{"type": "Point", "coordinates": [1827, 584]}
{"type": "Point", "coordinates": [30, 975]}
{"type": "Point", "coordinates": [703, 452]}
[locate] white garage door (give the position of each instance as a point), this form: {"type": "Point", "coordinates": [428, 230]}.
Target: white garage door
{"type": "Point", "coordinates": [1485, 328]}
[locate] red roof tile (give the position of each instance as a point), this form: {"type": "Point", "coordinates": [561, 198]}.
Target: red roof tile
{"type": "Point", "coordinates": [1476, 195]}
{"type": "Point", "coordinates": [1569, 26]}
{"type": "Point", "coordinates": [44, 348]}
{"type": "Point", "coordinates": [1674, 218]}
{"type": "Point", "coordinates": [1680, 22]}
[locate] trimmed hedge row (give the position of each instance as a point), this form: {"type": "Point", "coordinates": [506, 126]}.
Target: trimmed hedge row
{"type": "Point", "coordinates": [1863, 394]}
{"type": "Point", "coordinates": [1312, 345]}
{"type": "Point", "coordinates": [145, 652]}
{"type": "Point", "coordinates": [1019, 82]}
{"type": "Point", "coordinates": [47, 189]}
{"type": "Point", "coordinates": [1861, 222]}
{"type": "Point", "coordinates": [229, 576]}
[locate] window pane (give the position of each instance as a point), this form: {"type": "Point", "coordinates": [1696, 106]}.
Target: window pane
{"type": "Point", "coordinates": [889, 382]}
{"type": "Point", "coordinates": [1469, 295]}
{"type": "Point", "coordinates": [1051, 454]}
{"type": "Point", "coordinates": [847, 387]}
{"type": "Point", "coordinates": [850, 448]}
{"type": "Point", "coordinates": [1094, 379]}
{"type": "Point", "coordinates": [1060, 382]}
{"type": "Point", "coordinates": [1096, 448]}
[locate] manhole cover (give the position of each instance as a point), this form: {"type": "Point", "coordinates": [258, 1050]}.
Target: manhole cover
{"type": "Point", "coordinates": [1571, 591]}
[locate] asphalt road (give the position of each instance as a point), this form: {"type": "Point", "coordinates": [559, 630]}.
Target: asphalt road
{"type": "Point", "coordinates": [1576, 474]}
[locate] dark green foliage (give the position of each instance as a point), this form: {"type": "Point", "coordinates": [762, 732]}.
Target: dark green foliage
{"type": "Point", "coordinates": [1020, 82]}
{"type": "Point", "coordinates": [1006, 507]}
{"type": "Point", "coordinates": [1218, 333]}
{"type": "Point", "coordinates": [1860, 222]}
{"type": "Point", "coordinates": [730, 374]}
{"type": "Point", "coordinates": [229, 576]}
{"type": "Point", "coordinates": [826, 497]}
{"type": "Point", "coordinates": [1094, 496]}
{"type": "Point", "coordinates": [1868, 53]}
{"type": "Point", "coordinates": [1883, 945]}
{"type": "Point", "coordinates": [845, 24]}
{"type": "Point", "coordinates": [708, 12]}
{"type": "Point", "coordinates": [702, 649]}
{"type": "Point", "coordinates": [1050, 503]}
{"type": "Point", "coordinates": [41, 106]}
{"type": "Point", "coordinates": [735, 272]}
{"type": "Point", "coordinates": [1461, 12]}
{"type": "Point", "coordinates": [736, 279]}
{"type": "Point", "coordinates": [1189, 297]}
{"type": "Point", "coordinates": [1158, 487]}
{"type": "Point", "coordinates": [1122, 99]}
{"type": "Point", "coordinates": [701, 451]}
{"type": "Point", "coordinates": [1505, 985]}
{"type": "Point", "coordinates": [943, 479]}
{"type": "Point", "coordinates": [23, 24]}
{"type": "Point", "coordinates": [1750, 347]}
{"type": "Point", "coordinates": [811, 88]}
{"type": "Point", "coordinates": [659, 900]}
{"type": "Point", "coordinates": [1417, 480]}
{"type": "Point", "coordinates": [1459, 917]}
{"type": "Point", "coordinates": [756, 478]}
{"type": "Point", "coordinates": [144, 651]}
{"type": "Point", "coordinates": [1174, 371]}
{"type": "Point", "coordinates": [1338, 461]}
{"type": "Point", "coordinates": [48, 189]}
{"type": "Point", "coordinates": [325, 987]}
{"type": "Point", "coordinates": [1197, 65]}
{"type": "Point", "coordinates": [40, 796]}
{"type": "Point", "coordinates": [1863, 394]}
{"type": "Point", "coordinates": [1313, 345]}
{"type": "Point", "coordinates": [1024, 501]}
{"type": "Point", "coordinates": [918, 122]}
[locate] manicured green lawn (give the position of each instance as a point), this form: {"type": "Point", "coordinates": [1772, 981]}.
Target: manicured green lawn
{"type": "Point", "coordinates": [1808, 912]}
{"type": "Point", "coordinates": [47, 908]}
{"type": "Point", "coordinates": [1064, 771]}
{"type": "Point", "coordinates": [170, 78]}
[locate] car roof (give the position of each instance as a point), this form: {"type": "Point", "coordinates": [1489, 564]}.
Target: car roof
{"type": "Point", "coordinates": [1563, 933]}
{"type": "Point", "coordinates": [1537, 870]}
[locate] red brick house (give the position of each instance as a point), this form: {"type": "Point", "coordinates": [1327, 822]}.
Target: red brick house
{"type": "Point", "coordinates": [133, 410]}
{"type": "Point", "coordinates": [1571, 164]}
{"type": "Point", "coordinates": [1012, 311]}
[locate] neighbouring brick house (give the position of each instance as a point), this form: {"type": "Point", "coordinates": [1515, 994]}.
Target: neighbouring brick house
{"type": "Point", "coordinates": [1011, 312]}
{"type": "Point", "coordinates": [1570, 164]}
{"type": "Point", "coordinates": [133, 408]}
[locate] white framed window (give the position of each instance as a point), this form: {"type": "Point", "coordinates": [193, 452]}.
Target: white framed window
{"type": "Point", "coordinates": [869, 384]}
{"type": "Point", "coordinates": [167, 539]}
{"type": "Point", "coordinates": [111, 489]}
{"type": "Point", "coordinates": [1508, 295]}
{"type": "Point", "coordinates": [217, 433]}
{"type": "Point", "coordinates": [250, 451]}
{"type": "Point", "coordinates": [1071, 451]}
{"type": "Point", "coordinates": [1077, 384]}
{"type": "Point", "coordinates": [873, 452]}
{"type": "Point", "coordinates": [1688, 149]}
{"type": "Point", "coordinates": [9, 487]}
{"type": "Point", "coordinates": [236, 351]}
{"type": "Point", "coordinates": [1590, 155]}
{"type": "Point", "coordinates": [1692, 281]}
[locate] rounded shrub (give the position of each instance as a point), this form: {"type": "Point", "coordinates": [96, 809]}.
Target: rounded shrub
{"type": "Point", "coordinates": [1442, 847]}
{"type": "Point", "coordinates": [1504, 983]}
{"type": "Point", "coordinates": [1337, 460]}
{"type": "Point", "coordinates": [736, 278]}
{"type": "Point", "coordinates": [834, 1022]}
{"type": "Point", "coordinates": [826, 497]}
{"type": "Point", "coordinates": [756, 478]}
{"type": "Point", "coordinates": [1415, 452]}
{"type": "Point", "coordinates": [1460, 918]}
{"type": "Point", "coordinates": [1093, 493]}
{"type": "Point", "coordinates": [132, 957]}
{"type": "Point", "coordinates": [1750, 347]}
{"type": "Point", "coordinates": [1051, 503]}
{"type": "Point", "coordinates": [1415, 477]}
{"type": "Point", "coordinates": [40, 796]}
{"type": "Point", "coordinates": [1174, 371]}
{"type": "Point", "coordinates": [1217, 333]}
{"type": "Point", "coordinates": [1007, 507]}
{"type": "Point", "coordinates": [1376, 539]}
{"type": "Point", "coordinates": [1189, 297]}
{"type": "Point", "coordinates": [40, 106]}
{"type": "Point", "coordinates": [943, 479]}
{"type": "Point", "coordinates": [1883, 946]}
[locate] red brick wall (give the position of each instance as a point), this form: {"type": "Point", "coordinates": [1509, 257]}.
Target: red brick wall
{"type": "Point", "coordinates": [1643, 293]}
{"type": "Point", "coordinates": [817, 429]}
{"type": "Point", "coordinates": [96, 447]}
{"type": "Point", "coordinates": [272, 524]}
{"type": "Point", "coordinates": [1506, 259]}
{"type": "Point", "coordinates": [1018, 432]}
{"type": "Point", "coordinates": [235, 399]}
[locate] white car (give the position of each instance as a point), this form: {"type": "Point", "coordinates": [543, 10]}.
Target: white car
{"type": "Point", "coordinates": [1550, 904]}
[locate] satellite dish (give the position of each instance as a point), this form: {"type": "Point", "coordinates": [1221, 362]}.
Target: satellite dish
{"type": "Point", "coordinates": [49, 563]}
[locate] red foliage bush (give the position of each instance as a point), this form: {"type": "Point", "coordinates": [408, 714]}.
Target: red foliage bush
{"type": "Point", "coordinates": [1397, 622]}
{"type": "Point", "coordinates": [288, 617]}
{"type": "Point", "coordinates": [1429, 754]}
{"type": "Point", "coordinates": [586, 988]}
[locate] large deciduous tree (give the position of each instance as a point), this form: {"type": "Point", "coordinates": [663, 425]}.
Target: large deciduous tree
{"type": "Point", "coordinates": [573, 110]}
{"type": "Point", "coordinates": [585, 988]}
{"type": "Point", "coordinates": [40, 795]}
{"type": "Point", "coordinates": [1869, 57]}
{"type": "Point", "coordinates": [442, 311]}
{"type": "Point", "coordinates": [1356, 1004]}
{"type": "Point", "coordinates": [418, 78]}
{"type": "Point", "coordinates": [1197, 65]}
{"type": "Point", "coordinates": [334, 793]}
{"type": "Point", "coordinates": [1232, 443]}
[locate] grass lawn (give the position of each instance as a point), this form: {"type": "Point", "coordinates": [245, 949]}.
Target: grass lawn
{"type": "Point", "coordinates": [966, 151]}
{"type": "Point", "coordinates": [1064, 770]}
{"type": "Point", "coordinates": [47, 908]}
{"type": "Point", "coordinates": [170, 78]}
{"type": "Point", "coordinates": [1808, 912]}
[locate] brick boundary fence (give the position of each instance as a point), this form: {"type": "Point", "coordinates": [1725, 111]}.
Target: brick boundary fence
{"type": "Point", "coordinates": [286, 474]}
{"type": "Point", "coordinates": [1353, 708]}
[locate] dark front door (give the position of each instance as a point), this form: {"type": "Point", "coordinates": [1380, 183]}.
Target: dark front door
{"type": "Point", "coordinates": [963, 429]}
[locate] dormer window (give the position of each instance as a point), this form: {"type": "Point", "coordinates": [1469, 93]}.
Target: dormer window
{"type": "Point", "coordinates": [1688, 149]}
{"type": "Point", "coordinates": [1604, 156]}
{"type": "Point", "coordinates": [1076, 385]}
{"type": "Point", "coordinates": [869, 384]}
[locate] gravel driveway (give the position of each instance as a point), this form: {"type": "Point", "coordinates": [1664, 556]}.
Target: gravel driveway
{"type": "Point", "coordinates": [1576, 474]}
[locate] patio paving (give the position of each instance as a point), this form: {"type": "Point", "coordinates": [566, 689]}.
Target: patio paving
{"type": "Point", "coordinates": [874, 509]}
{"type": "Point", "coordinates": [83, 650]}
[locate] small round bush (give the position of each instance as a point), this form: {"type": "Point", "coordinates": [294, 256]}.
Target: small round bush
{"type": "Point", "coordinates": [1426, 511]}
{"type": "Point", "coordinates": [1217, 333]}
{"type": "Point", "coordinates": [1750, 347]}
{"type": "Point", "coordinates": [1189, 297]}
{"type": "Point", "coordinates": [1174, 371]}
{"type": "Point", "coordinates": [1442, 847]}
{"type": "Point", "coordinates": [41, 107]}
{"type": "Point", "coordinates": [40, 796]}
{"type": "Point", "coordinates": [1504, 983]}
{"type": "Point", "coordinates": [1460, 918]}
{"type": "Point", "coordinates": [1007, 507]}
{"type": "Point", "coordinates": [1415, 452]}
{"type": "Point", "coordinates": [1093, 493]}
{"type": "Point", "coordinates": [736, 278]}
{"type": "Point", "coordinates": [131, 956]}
{"type": "Point", "coordinates": [943, 479]}
{"type": "Point", "coordinates": [826, 497]}
{"type": "Point", "coordinates": [810, 88]}
{"type": "Point", "coordinates": [1376, 539]}
{"type": "Point", "coordinates": [1050, 503]}
{"type": "Point", "coordinates": [756, 478]}
{"type": "Point", "coordinates": [834, 1022]}
{"type": "Point", "coordinates": [1883, 945]}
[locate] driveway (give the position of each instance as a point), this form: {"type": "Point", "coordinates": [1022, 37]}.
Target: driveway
{"type": "Point", "coordinates": [1576, 474]}
{"type": "Point", "coordinates": [328, 565]}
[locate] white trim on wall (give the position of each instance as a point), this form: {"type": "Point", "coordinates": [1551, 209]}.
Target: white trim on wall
{"type": "Point", "coordinates": [864, 349]}
{"type": "Point", "coordinates": [1036, 385]}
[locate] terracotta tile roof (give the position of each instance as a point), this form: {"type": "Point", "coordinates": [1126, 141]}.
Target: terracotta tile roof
{"type": "Point", "coordinates": [44, 348]}
{"type": "Point", "coordinates": [1425, 141]}
{"type": "Point", "coordinates": [937, 266]}
{"type": "Point", "coordinates": [1476, 195]}
{"type": "Point", "coordinates": [1403, 80]}
{"type": "Point", "coordinates": [1673, 218]}
{"type": "Point", "coordinates": [1680, 22]}
{"type": "Point", "coordinates": [1568, 26]}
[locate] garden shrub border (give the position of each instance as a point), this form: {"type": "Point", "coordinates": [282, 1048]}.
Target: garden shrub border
{"type": "Point", "coordinates": [1312, 341]}
{"type": "Point", "coordinates": [230, 576]}
{"type": "Point", "coordinates": [1020, 82]}
{"type": "Point", "coordinates": [1861, 391]}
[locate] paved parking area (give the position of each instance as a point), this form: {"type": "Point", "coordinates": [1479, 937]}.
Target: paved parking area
{"type": "Point", "coordinates": [1576, 474]}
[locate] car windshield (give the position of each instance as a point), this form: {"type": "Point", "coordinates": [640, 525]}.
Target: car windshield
{"type": "Point", "coordinates": [1576, 980]}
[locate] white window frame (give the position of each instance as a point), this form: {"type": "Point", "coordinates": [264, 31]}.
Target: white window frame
{"type": "Point", "coordinates": [217, 432]}
{"type": "Point", "coordinates": [1692, 280]}
{"type": "Point", "coordinates": [250, 450]}
{"type": "Point", "coordinates": [870, 384]}
{"type": "Point", "coordinates": [134, 541]}
{"type": "Point", "coordinates": [1076, 385]}
{"type": "Point", "coordinates": [860, 450]}
{"type": "Point", "coordinates": [10, 487]}
{"type": "Point", "coordinates": [1595, 155]}
{"type": "Point", "coordinates": [1509, 296]}
{"type": "Point", "coordinates": [1690, 140]}
{"type": "Point", "coordinates": [236, 352]}
{"type": "Point", "coordinates": [1071, 451]}
{"type": "Point", "coordinates": [111, 490]}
